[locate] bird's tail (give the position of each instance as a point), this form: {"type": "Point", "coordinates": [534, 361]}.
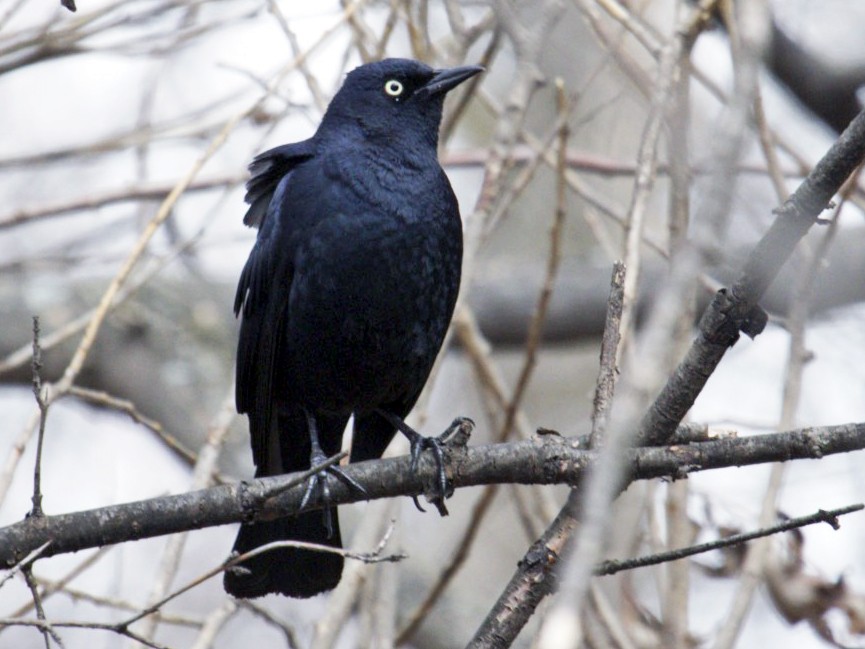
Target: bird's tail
{"type": "Point", "coordinates": [290, 571]}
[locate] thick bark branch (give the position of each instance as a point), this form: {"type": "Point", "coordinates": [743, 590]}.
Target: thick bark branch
{"type": "Point", "coordinates": [546, 459]}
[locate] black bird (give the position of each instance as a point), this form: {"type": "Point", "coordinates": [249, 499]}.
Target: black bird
{"type": "Point", "coordinates": [346, 297]}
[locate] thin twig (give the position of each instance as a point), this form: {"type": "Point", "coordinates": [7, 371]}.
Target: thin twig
{"type": "Point", "coordinates": [735, 310]}
{"type": "Point", "coordinates": [42, 403]}
{"type": "Point", "coordinates": [311, 82]}
{"type": "Point", "coordinates": [644, 181]}
{"type": "Point", "coordinates": [50, 589]}
{"type": "Point", "coordinates": [233, 561]}
{"type": "Point", "coordinates": [674, 581]}
{"type": "Point", "coordinates": [488, 373]}
{"type": "Point", "coordinates": [374, 526]}
{"type": "Point", "coordinates": [21, 355]}
{"type": "Point", "coordinates": [126, 606]}
{"type": "Point", "coordinates": [591, 506]}
{"type": "Point", "coordinates": [608, 370]}
{"type": "Point", "coordinates": [138, 192]}
{"type": "Point", "coordinates": [612, 566]}
{"type": "Point", "coordinates": [463, 37]}
{"type": "Point", "coordinates": [767, 143]}
{"type": "Point", "coordinates": [46, 626]}
{"type": "Point", "coordinates": [18, 567]}
{"type": "Point", "coordinates": [48, 631]}
{"type": "Point", "coordinates": [126, 406]}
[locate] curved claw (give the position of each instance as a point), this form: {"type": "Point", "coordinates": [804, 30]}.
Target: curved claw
{"type": "Point", "coordinates": [346, 479]}
{"type": "Point", "coordinates": [317, 484]}
{"type": "Point", "coordinates": [417, 444]}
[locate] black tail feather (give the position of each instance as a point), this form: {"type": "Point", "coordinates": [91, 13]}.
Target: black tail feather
{"type": "Point", "coordinates": [290, 571]}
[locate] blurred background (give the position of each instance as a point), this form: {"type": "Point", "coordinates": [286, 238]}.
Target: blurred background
{"type": "Point", "coordinates": [125, 131]}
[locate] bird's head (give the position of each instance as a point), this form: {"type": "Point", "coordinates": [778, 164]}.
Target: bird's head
{"type": "Point", "coordinates": [395, 99]}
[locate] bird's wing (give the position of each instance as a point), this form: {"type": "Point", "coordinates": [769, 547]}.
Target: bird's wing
{"type": "Point", "coordinates": [257, 350]}
{"type": "Point", "coordinates": [266, 170]}
{"type": "Point", "coordinates": [262, 297]}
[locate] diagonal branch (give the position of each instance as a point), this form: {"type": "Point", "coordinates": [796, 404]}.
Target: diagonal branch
{"type": "Point", "coordinates": [737, 309]}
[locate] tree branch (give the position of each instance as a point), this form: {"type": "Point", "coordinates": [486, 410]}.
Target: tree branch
{"type": "Point", "coordinates": [545, 459]}
{"type": "Point", "coordinates": [737, 309]}
{"type": "Point", "coordinates": [830, 517]}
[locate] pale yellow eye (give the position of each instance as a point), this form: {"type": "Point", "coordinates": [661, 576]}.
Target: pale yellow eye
{"type": "Point", "coordinates": [393, 88]}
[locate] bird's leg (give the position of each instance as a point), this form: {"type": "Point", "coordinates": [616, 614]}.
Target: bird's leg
{"type": "Point", "coordinates": [318, 482]}
{"type": "Point", "coordinates": [417, 444]}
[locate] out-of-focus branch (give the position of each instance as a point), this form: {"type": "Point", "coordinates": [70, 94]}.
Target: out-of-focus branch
{"type": "Point", "coordinates": [150, 191]}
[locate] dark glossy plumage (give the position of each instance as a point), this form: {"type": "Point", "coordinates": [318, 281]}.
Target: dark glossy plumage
{"type": "Point", "coordinates": [346, 296]}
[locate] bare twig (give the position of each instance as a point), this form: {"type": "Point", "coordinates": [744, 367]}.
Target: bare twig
{"type": "Point", "coordinates": [138, 192]}
{"type": "Point", "coordinates": [674, 581]}
{"type": "Point", "coordinates": [48, 627]}
{"type": "Point", "coordinates": [644, 181]}
{"type": "Point", "coordinates": [608, 371]}
{"type": "Point", "coordinates": [49, 590]}
{"type": "Point", "coordinates": [830, 517]}
{"type": "Point", "coordinates": [767, 143]}
{"type": "Point", "coordinates": [736, 310]}
{"type": "Point", "coordinates": [126, 406]}
{"type": "Point", "coordinates": [562, 625]}
{"type": "Point", "coordinates": [492, 380]}
{"type": "Point", "coordinates": [77, 595]}
{"type": "Point", "coordinates": [42, 403]}
{"type": "Point", "coordinates": [311, 82]}
{"type": "Point", "coordinates": [18, 567]}
{"type": "Point", "coordinates": [416, 618]}
{"type": "Point", "coordinates": [48, 631]}
{"type": "Point", "coordinates": [372, 557]}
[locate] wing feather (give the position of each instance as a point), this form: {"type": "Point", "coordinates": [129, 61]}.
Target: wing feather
{"type": "Point", "coordinates": [262, 293]}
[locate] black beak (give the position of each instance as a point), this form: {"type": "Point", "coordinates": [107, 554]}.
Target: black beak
{"type": "Point", "coordinates": [446, 80]}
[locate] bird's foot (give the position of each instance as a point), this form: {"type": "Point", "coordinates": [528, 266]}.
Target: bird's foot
{"type": "Point", "coordinates": [419, 443]}
{"type": "Point", "coordinates": [317, 486]}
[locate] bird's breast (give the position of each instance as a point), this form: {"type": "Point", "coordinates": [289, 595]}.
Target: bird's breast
{"type": "Point", "coordinates": [371, 300]}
